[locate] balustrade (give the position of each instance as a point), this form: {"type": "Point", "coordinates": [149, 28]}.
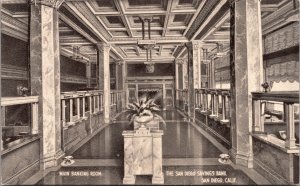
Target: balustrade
{"type": "Point", "coordinates": [289, 101]}
{"type": "Point", "coordinates": [77, 105]}
{"type": "Point", "coordinates": [214, 103]}
{"type": "Point", "coordinates": [20, 128]}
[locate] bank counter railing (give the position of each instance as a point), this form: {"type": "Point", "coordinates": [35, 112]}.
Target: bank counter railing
{"type": "Point", "coordinates": [76, 105]}
{"type": "Point", "coordinates": [215, 103]}
{"type": "Point", "coordinates": [287, 124]}
{"type": "Point", "coordinates": [19, 121]}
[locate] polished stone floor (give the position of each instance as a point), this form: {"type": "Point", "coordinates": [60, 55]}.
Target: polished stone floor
{"type": "Point", "coordinates": [188, 158]}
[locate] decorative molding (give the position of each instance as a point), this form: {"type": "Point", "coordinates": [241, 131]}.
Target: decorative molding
{"type": "Point", "coordinates": [73, 79]}
{"type": "Point", "coordinates": [14, 72]}
{"type": "Point", "coordinates": [103, 47]}
{"type": "Point", "coordinates": [158, 40]}
{"type": "Point", "coordinates": [179, 61]}
{"type": "Point", "coordinates": [68, 53]}
{"type": "Point", "coordinates": [8, 30]}
{"type": "Point", "coordinates": [14, 24]}
{"type": "Point", "coordinates": [51, 3]}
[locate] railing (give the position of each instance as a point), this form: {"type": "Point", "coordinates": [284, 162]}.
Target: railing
{"type": "Point", "coordinates": [19, 131]}
{"type": "Point", "coordinates": [215, 103]}
{"type": "Point", "coordinates": [76, 105]}
{"type": "Point", "coordinates": [288, 100]}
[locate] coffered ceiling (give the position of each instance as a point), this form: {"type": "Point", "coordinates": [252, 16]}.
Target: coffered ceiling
{"type": "Point", "coordinates": [87, 22]}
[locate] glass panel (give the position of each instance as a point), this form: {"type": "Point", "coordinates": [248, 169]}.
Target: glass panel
{"type": "Point", "coordinates": [87, 107]}
{"type": "Point", "coordinates": [74, 107]}
{"type": "Point", "coordinates": [67, 110]}
{"type": "Point", "coordinates": [16, 125]}
{"type": "Point", "coordinates": [81, 106]}
{"type": "Point", "coordinates": [92, 104]}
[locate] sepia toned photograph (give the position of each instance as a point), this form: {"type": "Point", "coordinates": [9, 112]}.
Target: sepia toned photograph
{"type": "Point", "coordinates": [149, 92]}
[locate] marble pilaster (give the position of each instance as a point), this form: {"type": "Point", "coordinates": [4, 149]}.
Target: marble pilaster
{"type": "Point", "coordinates": [124, 99]}
{"type": "Point", "coordinates": [212, 74]}
{"type": "Point", "coordinates": [104, 77]}
{"type": "Point", "coordinates": [246, 67]}
{"type": "Point", "coordinates": [178, 75]}
{"type": "Point", "coordinates": [194, 75]}
{"type": "Point", "coordinates": [88, 74]}
{"type": "Point", "coordinates": [45, 79]}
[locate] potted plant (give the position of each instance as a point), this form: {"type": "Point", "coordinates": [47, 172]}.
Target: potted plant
{"type": "Point", "coordinates": [143, 112]}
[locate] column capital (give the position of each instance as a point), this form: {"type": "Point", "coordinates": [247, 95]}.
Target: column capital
{"type": "Point", "coordinates": [195, 45]}
{"type": "Point", "coordinates": [179, 61]}
{"type": "Point", "coordinates": [102, 47]}
{"type": "Point", "coordinates": [119, 62]}
{"type": "Point", "coordinates": [52, 3]}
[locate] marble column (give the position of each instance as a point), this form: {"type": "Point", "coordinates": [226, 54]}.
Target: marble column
{"type": "Point", "coordinates": [212, 73]}
{"type": "Point", "coordinates": [104, 77]}
{"type": "Point", "coordinates": [88, 74]}
{"type": "Point", "coordinates": [120, 82]}
{"type": "Point", "coordinates": [194, 75]}
{"type": "Point", "coordinates": [246, 69]}
{"type": "Point", "coordinates": [184, 74]}
{"type": "Point", "coordinates": [45, 79]}
{"type": "Point", "coordinates": [178, 78]}
{"type": "Point", "coordinates": [124, 99]}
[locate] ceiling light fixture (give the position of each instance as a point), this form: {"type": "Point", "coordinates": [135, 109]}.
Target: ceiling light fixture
{"type": "Point", "coordinates": [147, 45]}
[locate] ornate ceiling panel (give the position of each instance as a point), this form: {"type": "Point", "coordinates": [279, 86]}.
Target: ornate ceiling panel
{"type": "Point", "coordinates": [118, 22]}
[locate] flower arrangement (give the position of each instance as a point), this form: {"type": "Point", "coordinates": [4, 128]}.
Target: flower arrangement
{"type": "Point", "coordinates": [143, 110]}
{"type": "Point", "coordinates": [22, 91]}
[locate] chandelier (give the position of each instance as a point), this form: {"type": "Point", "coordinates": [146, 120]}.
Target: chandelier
{"type": "Point", "coordinates": [76, 52]}
{"type": "Point", "coordinates": [147, 45]}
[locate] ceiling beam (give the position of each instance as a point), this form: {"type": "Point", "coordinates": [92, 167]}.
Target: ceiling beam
{"type": "Point", "coordinates": [167, 17]}
{"type": "Point", "coordinates": [218, 25]}
{"type": "Point", "coordinates": [194, 16]}
{"type": "Point", "coordinates": [209, 18]}
{"type": "Point", "coordinates": [120, 8]}
{"type": "Point", "coordinates": [79, 15]}
{"type": "Point", "coordinates": [76, 28]}
{"type": "Point", "coordinates": [269, 8]}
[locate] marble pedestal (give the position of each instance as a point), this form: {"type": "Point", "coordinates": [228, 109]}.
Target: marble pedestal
{"type": "Point", "coordinates": [153, 124]}
{"type": "Point", "coordinates": [143, 155]}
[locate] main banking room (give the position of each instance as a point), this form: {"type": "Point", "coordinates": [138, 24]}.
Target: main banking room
{"type": "Point", "coordinates": [175, 92]}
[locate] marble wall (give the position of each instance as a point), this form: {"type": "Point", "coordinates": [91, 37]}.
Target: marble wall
{"type": "Point", "coordinates": [274, 164]}
{"type": "Point", "coordinates": [20, 163]}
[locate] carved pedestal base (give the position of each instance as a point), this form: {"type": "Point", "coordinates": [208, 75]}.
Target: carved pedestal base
{"type": "Point", "coordinates": [143, 155]}
{"type": "Point", "coordinates": [129, 180]}
{"type": "Point", "coordinates": [158, 179]}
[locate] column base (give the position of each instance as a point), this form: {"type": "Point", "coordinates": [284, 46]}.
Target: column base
{"type": "Point", "coordinates": [52, 161]}
{"type": "Point", "coordinates": [241, 159]}
{"type": "Point", "coordinates": [129, 180]}
{"type": "Point", "coordinates": [106, 121]}
{"type": "Point", "coordinates": [212, 116]}
{"type": "Point", "coordinates": [158, 179]}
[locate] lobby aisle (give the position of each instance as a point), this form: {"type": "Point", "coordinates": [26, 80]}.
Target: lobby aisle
{"type": "Point", "coordinates": [188, 158]}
